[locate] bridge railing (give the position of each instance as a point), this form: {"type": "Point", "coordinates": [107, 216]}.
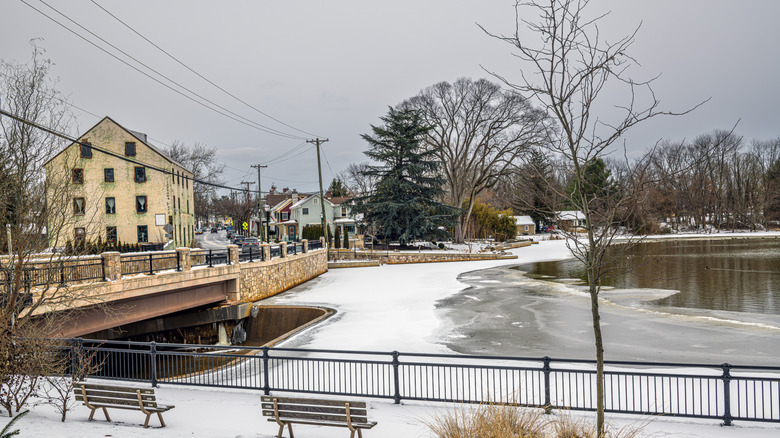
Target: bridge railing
{"type": "Point", "coordinates": [251, 255]}
{"type": "Point", "coordinates": [276, 251]}
{"type": "Point", "coordinates": [149, 263]}
{"type": "Point", "coordinates": [58, 271]}
{"type": "Point", "coordinates": [725, 392]}
{"type": "Point", "coordinates": [315, 244]}
{"type": "Point", "coordinates": [210, 257]}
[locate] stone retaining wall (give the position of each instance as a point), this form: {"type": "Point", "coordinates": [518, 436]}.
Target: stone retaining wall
{"type": "Point", "coordinates": [260, 280]}
{"type": "Point", "coordinates": [399, 257]}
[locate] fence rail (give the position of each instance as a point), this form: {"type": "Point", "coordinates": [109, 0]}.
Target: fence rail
{"type": "Point", "coordinates": [64, 271]}
{"type": "Point", "coordinates": [149, 263]}
{"type": "Point", "coordinates": [210, 258]}
{"type": "Point", "coordinates": [315, 244]}
{"type": "Point", "coordinates": [723, 392]}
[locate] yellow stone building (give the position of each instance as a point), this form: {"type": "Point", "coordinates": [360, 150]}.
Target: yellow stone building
{"type": "Point", "coordinates": [128, 194]}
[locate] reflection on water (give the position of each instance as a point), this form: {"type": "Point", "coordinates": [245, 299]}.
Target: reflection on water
{"type": "Point", "coordinates": [731, 275]}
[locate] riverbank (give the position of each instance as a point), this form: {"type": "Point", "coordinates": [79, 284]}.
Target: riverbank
{"type": "Point", "coordinates": [392, 307]}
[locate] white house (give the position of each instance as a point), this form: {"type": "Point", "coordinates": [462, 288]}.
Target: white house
{"type": "Point", "coordinates": [308, 211]}
{"type": "Point", "coordinates": [570, 220]}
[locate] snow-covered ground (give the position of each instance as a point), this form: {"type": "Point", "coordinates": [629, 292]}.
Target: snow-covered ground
{"type": "Point", "coordinates": [392, 307]}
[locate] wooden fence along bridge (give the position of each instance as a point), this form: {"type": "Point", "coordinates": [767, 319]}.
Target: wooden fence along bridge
{"type": "Point", "coordinates": [112, 289]}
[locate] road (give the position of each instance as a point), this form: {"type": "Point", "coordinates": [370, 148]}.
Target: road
{"type": "Point", "coordinates": [209, 240]}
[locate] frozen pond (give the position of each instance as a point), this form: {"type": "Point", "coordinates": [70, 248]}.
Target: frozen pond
{"type": "Point", "coordinates": [711, 302]}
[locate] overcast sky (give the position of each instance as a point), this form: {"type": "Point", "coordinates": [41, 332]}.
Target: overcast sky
{"type": "Point", "coordinates": [331, 68]}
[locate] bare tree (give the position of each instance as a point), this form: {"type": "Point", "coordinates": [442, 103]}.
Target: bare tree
{"type": "Point", "coordinates": [202, 162]}
{"type": "Point", "coordinates": [356, 180]}
{"type": "Point", "coordinates": [479, 129]}
{"type": "Point", "coordinates": [569, 66]}
{"type": "Point", "coordinates": [33, 305]}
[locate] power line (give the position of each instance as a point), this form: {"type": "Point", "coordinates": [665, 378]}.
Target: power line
{"type": "Point", "coordinates": [227, 113]}
{"type": "Point", "coordinates": [115, 155]}
{"type": "Point", "coordinates": [198, 74]}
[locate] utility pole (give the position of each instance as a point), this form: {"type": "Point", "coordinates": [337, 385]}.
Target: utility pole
{"type": "Point", "coordinates": [260, 199]}
{"type": "Point", "coordinates": [318, 141]}
{"type": "Point", "coordinates": [249, 211]}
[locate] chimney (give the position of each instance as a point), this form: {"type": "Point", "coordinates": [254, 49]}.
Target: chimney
{"type": "Point", "coordinates": [285, 190]}
{"type": "Point", "coordinates": [273, 190]}
{"type": "Point", "coordinates": [327, 194]}
{"type": "Point", "coordinates": [294, 196]}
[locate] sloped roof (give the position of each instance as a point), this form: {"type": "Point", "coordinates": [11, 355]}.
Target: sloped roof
{"type": "Point", "coordinates": [524, 220]}
{"type": "Point", "coordinates": [570, 215]}
{"type": "Point", "coordinates": [134, 134]}
{"type": "Point", "coordinates": [302, 201]}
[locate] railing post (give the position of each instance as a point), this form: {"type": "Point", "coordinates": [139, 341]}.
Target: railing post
{"type": "Point", "coordinates": [151, 267]}
{"type": "Point", "coordinates": [178, 261]}
{"type": "Point", "coordinates": [396, 381]}
{"type": "Point", "coordinates": [726, 394]}
{"type": "Point", "coordinates": [250, 254]}
{"type": "Point", "coordinates": [283, 249]}
{"type": "Point", "coordinates": [112, 265]}
{"type": "Point", "coordinates": [210, 259]}
{"type": "Point", "coordinates": [546, 368]}
{"type": "Point", "coordinates": [232, 254]}
{"type": "Point", "coordinates": [62, 273]}
{"type": "Point", "coordinates": [183, 259]}
{"type": "Point", "coordinates": [305, 243]}
{"type": "Point", "coordinates": [153, 360]}
{"type": "Point", "coordinates": [266, 379]}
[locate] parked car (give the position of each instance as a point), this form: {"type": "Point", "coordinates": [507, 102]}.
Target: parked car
{"type": "Point", "coordinates": [213, 229]}
{"type": "Point", "coordinates": [250, 242]}
{"type": "Point", "coordinates": [237, 240]}
{"type": "Point", "coordinates": [198, 231]}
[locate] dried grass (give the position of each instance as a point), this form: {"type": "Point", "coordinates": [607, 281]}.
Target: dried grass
{"type": "Point", "coordinates": [497, 420]}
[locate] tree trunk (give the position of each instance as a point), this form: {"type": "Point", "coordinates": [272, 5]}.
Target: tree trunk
{"type": "Point", "coordinates": [594, 308]}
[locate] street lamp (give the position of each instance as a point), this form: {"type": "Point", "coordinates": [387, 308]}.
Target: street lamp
{"type": "Point", "coordinates": [267, 209]}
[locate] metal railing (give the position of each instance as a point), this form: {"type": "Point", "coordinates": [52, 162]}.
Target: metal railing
{"type": "Point", "coordinates": [149, 263]}
{"type": "Point", "coordinates": [56, 272]}
{"type": "Point", "coordinates": [251, 255]}
{"type": "Point", "coordinates": [723, 392]}
{"type": "Point", "coordinates": [210, 258]}
{"type": "Point", "coordinates": [315, 244]}
{"type": "Point", "coordinates": [276, 251]}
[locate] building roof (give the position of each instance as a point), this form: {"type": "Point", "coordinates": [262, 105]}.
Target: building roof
{"type": "Point", "coordinates": [570, 215]}
{"type": "Point", "coordinates": [304, 200]}
{"type": "Point", "coordinates": [137, 135]}
{"type": "Point", "coordinates": [524, 220]}
{"type": "Point", "coordinates": [338, 200]}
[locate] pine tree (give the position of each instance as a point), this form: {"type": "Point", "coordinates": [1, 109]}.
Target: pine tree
{"type": "Point", "coordinates": [403, 205]}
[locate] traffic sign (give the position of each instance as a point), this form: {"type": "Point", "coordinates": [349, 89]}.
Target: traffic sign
{"type": "Point", "coordinates": [244, 225]}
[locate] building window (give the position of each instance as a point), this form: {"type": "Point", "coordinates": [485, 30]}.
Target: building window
{"type": "Point", "coordinates": [285, 215]}
{"type": "Point", "coordinates": [86, 150]}
{"type": "Point", "coordinates": [108, 175]}
{"type": "Point", "coordinates": [305, 210]}
{"type": "Point", "coordinates": [80, 236]}
{"type": "Point", "coordinates": [140, 204]}
{"type": "Point", "coordinates": [173, 175]}
{"type": "Point", "coordinates": [110, 206]}
{"type": "Point", "coordinates": [78, 176]}
{"type": "Point", "coordinates": [130, 149]}
{"type": "Point", "coordinates": [143, 233]}
{"type": "Point", "coordinates": [188, 206]}
{"type": "Point", "coordinates": [78, 206]}
{"type": "Point", "coordinates": [526, 227]}
{"type": "Point", "coordinates": [344, 211]}
{"type": "Point", "coordinates": [140, 174]}
{"type": "Point", "coordinates": [111, 235]}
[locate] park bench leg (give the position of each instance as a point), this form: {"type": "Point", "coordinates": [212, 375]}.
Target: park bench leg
{"type": "Point", "coordinates": [105, 411]}
{"type": "Point", "coordinates": [146, 423]}
{"type": "Point", "coordinates": [289, 427]}
{"type": "Point", "coordinates": [162, 422]}
{"type": "Point", "coordinates": [92, 414]}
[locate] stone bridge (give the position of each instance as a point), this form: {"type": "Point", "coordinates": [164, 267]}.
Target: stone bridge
{"type": "Point", "coordinates": [181, 281]}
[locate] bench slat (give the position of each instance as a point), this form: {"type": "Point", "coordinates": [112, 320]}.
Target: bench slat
{"type": "Point", "coordinates": [109, 394]}
{"type": "Point", "coordinates": [321, 409]}
{"type": "Point", "coordinates": [119, 402]}
{"type": "Point", "coordinates": [95, 386]}
{"type": "Point", "coordinates": [335, 424]}
{"type": "Point", "coordinates": [159, 408]}
{"type": "Point", "coordinates": [312, 402]}
{"type": "Point", "coordinates": [312, 416]}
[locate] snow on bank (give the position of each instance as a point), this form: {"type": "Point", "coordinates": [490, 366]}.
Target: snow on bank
{"type": "Point", "coordinates": [385, 308]}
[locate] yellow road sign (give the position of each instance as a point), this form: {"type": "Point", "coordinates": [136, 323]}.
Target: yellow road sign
{"type": "Point", "coordinates": [244, 225]}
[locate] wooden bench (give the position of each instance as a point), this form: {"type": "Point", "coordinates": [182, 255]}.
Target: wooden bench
{"type": "Point", "coordinates": [338, 413]}
{"type": "Point", "coordinates": [97, 397]}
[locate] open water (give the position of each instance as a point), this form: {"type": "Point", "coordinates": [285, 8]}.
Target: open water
{"type": "Point", "coordinates": [710, 301]}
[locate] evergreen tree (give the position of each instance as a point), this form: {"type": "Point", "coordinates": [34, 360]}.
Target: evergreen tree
{"type": "Point", "coordinates": [337, 188]}
{"type": "Point", "coordinates": [346, 239]}
{"type": "Point", "coordinates": [403, 205]}
{"type": "Point", "coordinates": [337, 242]}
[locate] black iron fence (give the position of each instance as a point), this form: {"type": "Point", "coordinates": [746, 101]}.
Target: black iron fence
{"type": "Point", "coordinates": [210, 258]}
{"type": "Point", "coordinates": [276, 251]}
{"type": "Point", "coordinates": [149, 263]}
{"type": "Point", "coordinates": [62, 271]}
{"type": "Point", "coordinates": [724, 392]}
{"type": "Point", "coordinates": [251, 254]}
{"type": "Point", "coordinates": [315, 244]}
